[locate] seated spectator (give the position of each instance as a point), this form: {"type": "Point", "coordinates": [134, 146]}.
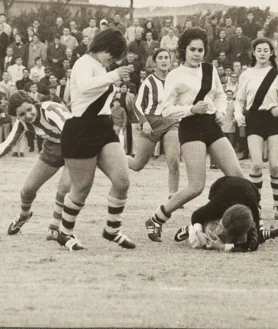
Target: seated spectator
{"type": "Point", "coordinates": [103, 24]}
{"type": "Point", "coordinates": [130, 59]}
{"type": "Point", "coordinates": [214, 62]}
{"type": "Point", "coordinates": [143, 75]}
{"type": "Point", "coordinates": [131, 31]}
{"type": "Point", "coordinates": [45, 80]}
{"type": "Point", "coordinates": [16, 70]}
{"type": "Point", "coordinates": [55, 54]}
{"type": "Point", "coordinates": [32, 91]}
{"type": "Point", "coordinates": [52, 94]}
{"type": "Point", "coordinates": [170, 42]}
{"type": "Point", "coordinates": [62, 91]}
{"type": "Point", "coordinates": [53, 79]}
{"type": "Point", "coordinates": [75, 32]}
{"type": "Point", "coordinates": [8, 59]}
{"type": "Point", "coordinates": [239, 47]}
{"type": "Point", "coordinates": [70, 57]}
{"type": "Point", "coordinates": [29, 37]}
{"type": "Point", "coordinates": [237, 68]}
{"type": "Point", "coordinates": [250, 28]}
{"type": "Point", "coordinates": [91, 30]}
{"type": "Point", "coordinates": [228, 72]}
{"type": "Point", "coordinates": [150, 44]}
{"type": "Point", "coordinates": [21, 84]}
{"type": "Point", "coordinates": [116, 24]}
{"type": "Point", "coordinates": [20, 49]}
{"type": "Point", "coordinates": [6, 26]}
{"type": "Point", "coordinates": [63, 70]}
{"type": "Point", "coordinates": [6, 83]}
{"type": "Point", "coordinates": [38, 68]}
{"type": "Point", "coordinates": [81, 49]}
{"type": "Point", "coordinates": [38, 30]}
{"type": "Point", "coordinates": [138, 48]}
{"type": "Point", "coordinates": [149, 27]}
{"type": "Point", "coordinates": [42, 88]}
{"type": "Point", "coordinates": [36, 49]}
{"type": "Point", "coordinates": [222, 59]}
{"type": "Point", "coordinates": [221, 74]}
{"type": "Point", "coordinates": [233, 84]}
{"type": "Point", "coordinates": [68, 40]}
{"type": "Point", "coordinates": [134, 78]}
{"type": "Point", "coordinates": [130, 86]}
{"type": "Point", "coordinates": [5, 118]}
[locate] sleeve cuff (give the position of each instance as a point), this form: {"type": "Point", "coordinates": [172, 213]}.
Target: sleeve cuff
{"type": "Point", "coordinates": [229, 247]}
{"type": "Point", "coordinates": [114, 75]}
{"type": "Point", "coordinates": [198, 227]}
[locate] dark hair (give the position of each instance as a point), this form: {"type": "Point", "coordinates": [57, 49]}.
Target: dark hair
{"type": "Point", "coordinates": [17, 99]}
{"type": "Point", "coordinates": [111, 41]}
{"type": "Point", "coordinates": [57, 36]}
{"type": "Point", "coordinates": [158, 51]}
{"type": "Point", "coordinates": [189, 35]}
{"type": "Point", "coordinates": [17, 57]}
{"type": "Point", "coordinates": [259, 41]}
{"type": "Point", "coordinates": [37, 58]}
{"type": "Point", "coordinates": [116, 99]}
{"type": "Point", "coordinates": [123, 84]}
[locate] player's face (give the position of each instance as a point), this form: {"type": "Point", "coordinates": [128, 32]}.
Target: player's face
{"type": "Point", "coordinates": [194, 53]}
{"type": "Point", "coordinates": [105, 59]}
{"type": "Point", "coordinates": [163, 61]}
{"type": "Point", "coordinates": [262, 53]}
{"type": "Point", "coordinates": [26, 112]}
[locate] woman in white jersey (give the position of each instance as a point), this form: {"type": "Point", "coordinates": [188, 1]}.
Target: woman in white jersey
{"type": "Point", "coordinates": [258, 88]}
{"type": "Point", "coordinates": [88, 139]}
{"type": "Point", "coordinates": [45, 120]}
{"type": "Point", "coordinates": [154, 126]}
{"type": "Point", "coordinates": [193, 93]}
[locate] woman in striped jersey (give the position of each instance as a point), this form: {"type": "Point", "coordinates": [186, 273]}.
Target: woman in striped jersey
{"type": "Point", "coordinates": [45, 120]}
{"type": "Point", "coordinates": [88, 139]}
{"type": "Point", "coordinates": [193, 93]}
{"type": "Point", "coordinates": [258, 88]}
{"type": "Point", "coordinates": [154, 126]}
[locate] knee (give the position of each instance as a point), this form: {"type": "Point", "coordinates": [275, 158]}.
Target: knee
{"type": "Point", "coordinates": [137, 166]}
{"type": "Point", "coordinates": [257, 168]}
{"type": "Point", "coordinates": [196, 189]}
{"type": "Point", "coordinates": [122, 183]}
{"type": "Point", "coordinates": [63, 188]}
{"type": "Point", "coordinates": [28, 193]}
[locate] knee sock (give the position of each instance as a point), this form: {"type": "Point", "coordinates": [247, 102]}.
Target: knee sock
{"type": "Point", "coordinates": [115, 209]}
{"type": "Point", "coordinates": [257, 180]}
{"type": "Point", "coordinates": [160, 217]}
{"type": "Point", "coordinates": [274, 186]}
{"type": "Point", "coordinates": [57, 211]}
{"type": "Point", "coordinates": [69, 214]}
{"type": "Point", "coordinates": [26, 204]}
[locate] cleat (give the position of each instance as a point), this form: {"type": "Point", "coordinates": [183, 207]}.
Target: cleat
{"type": "Point", "coordinates": [154, 230]}
{"type": "Point", "coordinates": [182, 234]}
{"type": "Point", "coordinates": [52, 234]}
{"type": "Point", "coordinates": [275, 213]}
{"type": "Point", "coordinates": [266, 234]}
{"type": "Point", "coordinates": [69, 241]}
{"type": "Point", "coordinates": [122, 240]}
{"type": "Point", "coordinates": [16, 225]}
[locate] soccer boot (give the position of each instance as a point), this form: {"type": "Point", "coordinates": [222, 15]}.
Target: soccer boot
{"type": "Point", "coordinates": [122, 240]}
{"type": "Point", "coordinates": [266, 234]}
{"type": "Point", "coordinates": [69, 241]}
{"type": "Point", "coordinates": [182, 234]}
{"type": "Point", "coordinates": [52, 234]}
{"type": "Point", "coordinates": [154, 230]}
{"type": "Point", "coordinates": [16, 225]}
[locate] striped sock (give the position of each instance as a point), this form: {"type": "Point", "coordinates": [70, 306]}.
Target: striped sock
{"type": "Point", "coordinates": [274, 186]}
{"type": "Point", "coordinates": [257, 180]}
{"type": "Point", "coordinates": [115, 209]}
{"type": "Point", "coordinates": [160, 216]}
{"type": "Point", "coordinates": [57, 211]}
{"type": "Point", "coordinates": [26, 204]}
{"type": "Point", "coordinates": [69, 214]}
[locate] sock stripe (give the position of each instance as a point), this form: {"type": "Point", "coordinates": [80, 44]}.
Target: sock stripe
{"type": "Point", "coordinates": [273, 177]}
{"type": "Point", "coordinates": [113, 224]}
{"type": "Point", "coordinates": [67, 224]}
{"type": "Point", "coordinates": [115, 211]}
{"type": "Point", "coordinates": [26, 208]}
{"type": "Point", "coordinates": [70, 211]}
{"type": "Point", "coordinates": [56, 215]}
{"type": "Point", "coordinates": [273, 185]}
{"type": "Point", "coordinates": [255, 176]}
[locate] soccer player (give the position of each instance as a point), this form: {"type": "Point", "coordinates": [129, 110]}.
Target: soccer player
{"type": "Point", "coordinates": [155, 127]}
{"type": "Point", "coordinates": [194, 94]}
{"type": "Point", "coordinates": [258, 88]}
{"type": "Point", "coordinates": [88, 139]}
{"type": "Point", "coordinates": [232, 214]}
{"type": "Point", "coordinates": [45, 120]}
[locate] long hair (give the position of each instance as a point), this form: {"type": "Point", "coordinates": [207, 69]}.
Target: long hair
{"type": "Point", "coordinates": [17, 99]}
{"type": "Point", "coordinates": [259, 41]}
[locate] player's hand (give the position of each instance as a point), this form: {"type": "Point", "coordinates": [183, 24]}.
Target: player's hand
{"type": "Point", "coordinates": [123, 71]}
{"type": "Point", "coordinates": [147, 129]}
{"type": "Point", "coordinates": [240, 119]}
{"type": "Point", "coordinates": [215, 242]}
{"type": "Point", "coordinates": [274, 111]}
{"type": "Point", "coordinates": [200, 108]}
{"type": "Point", "coordinates": [202, 238]}
{"type": "Point", "coordinates": [220, 118]}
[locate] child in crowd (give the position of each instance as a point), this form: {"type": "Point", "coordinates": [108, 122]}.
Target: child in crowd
{"type": "Point", "coordinates": [119, 117]}
{"type": "Point", "coordinates": [229, 127]}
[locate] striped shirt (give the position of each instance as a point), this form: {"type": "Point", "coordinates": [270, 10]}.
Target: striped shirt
{"type": "Point", "coordinates": [149, 98]}
{"type": "Point", "coordinates": [48, 125]}
{"type": "Point", "coordinates": [249, 83]}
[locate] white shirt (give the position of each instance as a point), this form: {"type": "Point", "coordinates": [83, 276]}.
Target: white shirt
{"type": "Point", "coordinates": [16, 72]}
{"type": "Point", "coordinates": [181, 88]}
{"type": "Point", "coordinates": [89, 80]}
{"type": "Point", "coordinates": [38, 70]}
{"type": "Point", "coordinates": [131, 31]}
{"type": "Point", "coordinates": [249, 82]}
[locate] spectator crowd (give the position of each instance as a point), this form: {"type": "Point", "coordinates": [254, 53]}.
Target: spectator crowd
{"type": "Point", "coordinates": [41, 65]}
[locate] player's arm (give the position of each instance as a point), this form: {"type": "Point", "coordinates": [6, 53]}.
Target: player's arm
{"type": "Point", "coordinates": [140, 104]}
{"type": "Point", "coordinates": [13, 138]}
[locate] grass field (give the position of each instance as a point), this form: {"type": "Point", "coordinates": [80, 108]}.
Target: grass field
{"type": "Point", "coordinates": [155, 285]}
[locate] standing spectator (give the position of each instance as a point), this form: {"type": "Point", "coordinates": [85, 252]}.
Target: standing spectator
{"type": "Point", "coordinates": [134, 77]}
{"type": "Point", "coordinates": [55, 54]}
{"type": "Point", "coordinates": [212, 29]}
{"type": "Point", "coordinates": [150, 28]}
{"type": "Point", "coordinates": [6, 83]}
{"type": "Point", "coordinates": [75, 32]}
{"type": "Point", "coordinates": [116, 24]}
{"type": "Point", "coordinates": [7, 27]}
{"type": "Point", "coordinates": [223, 60]}
{"type": "Point", "coordinates": [228, 72]}
{"type": "Point", "coordinates": [8, 59]}
{"type": "Point", "coordinates": [30, 35]}
{"type": "Point", "coordinates": [103, 24]}
{"type": "Point", "coordinates": [20, 49]}
{"type": "Point", "coordinates": [165, 29]}
{"type": "Point", "coordinates": [260, 34]}
{"type": "Point", "coordinates": [275, 45]}
{"type": "Point", "coordinates": [4, 40]}
{"type": "Point", "coordinates": [42, 88]}
{"type": "Point", "coordinates": [68, 40]}
{"type": "Point", "coordinates": [250, 28]}
{"type": "Point", "coordinates": [36, 49]}
{"type": "Point", "coordinates": [21, 84]}
{"type": "Point", "coordinates": [119, 117]}
{"type": "Point", "coordinates": [52, 95]}
{"type": "Point", "coordinates": [38, 68]}
{"type": "Point", "coordinates": [150, 44]}
{"type": "Point", "coordinates": [130, 86]}
{"type": "Point", "coordinates": [81, 49]}
{"type": "Point", "coordinates": [32, 91]}
{"type": "Point", "coordinates": [240, 47]}
{"type": "Point", "coordinates": [170, 42]}
{"type": "Point", "coordinates": [237, 68]}
{"type": "Point", "coordinates": [229, 127]}
{"type": "Point", "coordinates": [221, 74]}
{"type": "Point", "coordinates": [187, 25]}
{"type": "Point", "coordinates": [131, 31]}
{"type": "Point", "coordinates": [70, 57]}
{"type": "Point", "coordinates": [221, 44]}
{"type": "Point", "coordinates": [16, 70]}
{"type": "Point", "coordinates": [38, 30]}
{"type": "Point", "coordinates": [62, 91]}
{"type": "Point", "coordinates": [137, 47]}
{"type": "Point", "coordinates": [58, 28]}
{"type": "Point", "coordinates": [229, 28]}
{"type": "Point", "coordinates": [63, 70]}
{"type": "Point", "coordinates": [5, 118]}
{"type": "Point", "coordinates": [91, 30]}
{"type": "Point", "coordinates": [233, 84]}
{"type": "Point", "coordinates": [143, 75]}
{"type": "Point", "coordinates": [150, 64]}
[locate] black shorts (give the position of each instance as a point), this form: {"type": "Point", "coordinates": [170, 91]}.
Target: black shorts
{"type": "Point", "coordinates": [261, 123]}
{"type": "Point", "coordinates": [51, 154]}
{"type": "Point", "coordinates": [200, 128]}
{"type": "Point", "coordinates": [84, 137]}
